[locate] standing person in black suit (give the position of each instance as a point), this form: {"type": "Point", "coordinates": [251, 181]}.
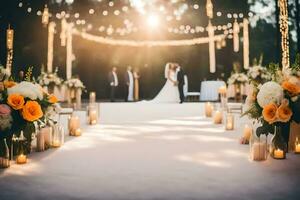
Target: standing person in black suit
{"type": "Point", "coordinates": [113, 83]}
{"type": "Point", "coordinates": [180, 82]}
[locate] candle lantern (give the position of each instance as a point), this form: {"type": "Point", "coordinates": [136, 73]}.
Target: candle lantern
{"type": "Point", "coordinates": [92, 97]}
{"type": "Point", "coordinates": [21, 157]}
{"type": "Point", "coordinates": [229, 125]}
{"type": "Point", "coordinates": [4, 158]}
{"type": "Point", "coordinates": [57, 136]}
{"type": "Point", "coordinates": [45, 16]}
{"type": "Point", "coordinates": [247, 132]}
{"type": "Point", "coordinates": [74, 125]}
{"type": "Point", "coordinates": [297, 146]}
{"type": "Point", "coordinates": [258, 148]}
{"type": "Point", "coordinates": [43, 139]}
{"type": "Point", "coordinates": [278, 148]}
{"type": "Point", "coordinates": [92, 114]}
{"type": "Point", "coordinates": [208, 109]}
{"type": "Point", "coordinates": [218, 117]}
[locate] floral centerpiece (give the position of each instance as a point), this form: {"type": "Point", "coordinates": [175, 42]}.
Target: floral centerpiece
{"type": "Point", "coordinates": [275, 104]}
{"type": "Point", "coordinates": [258, 73]}
{"type": "Point", "coordinates": [24, 106]}
{"type": "Point", "coordinates": [50, 80]}
{"type": "Point", "coordinates": [75, 87]}
{"type": "Point", "coordinates": [237, 79]}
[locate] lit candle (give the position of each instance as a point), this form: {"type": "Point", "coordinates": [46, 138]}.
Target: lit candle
{"type": "Point", "coordinates": [229, 122]}
{"type": "Point", "coordinates": [259, 151]}
{"type": "Point", "coordinates": [74, 124]}
{"type": "Point", "coordinates": [208, 109]}
{"type": "Point", "coordinates": [56, 144]}
{"type": "Point", "coordinates": [222, 90]}
{"type": "Point", "coordinates": [78, 132]}
{"type": "Point", "coordinates": [93, 117]}
{"type": "Point", "coordinates": [92, 97]}
{"type": "Point", "coordinates": [247, 132]}
{"type": "Point", "coordinates": [297, 148]}
{"type": "Point", "coordinates": [21, 159]}
{"type": "Point", "coordinates": [218, 118]}
{"type": "Point", "coordinates": [278, 154]}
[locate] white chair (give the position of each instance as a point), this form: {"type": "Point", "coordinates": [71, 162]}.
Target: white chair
{"type": "Point", "coordinates": [189, 95]}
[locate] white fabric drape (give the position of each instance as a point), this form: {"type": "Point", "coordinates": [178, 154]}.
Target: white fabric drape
{"type": "Point", "coordinates": [246, 43]}
{"type": "Point", "coordinates": [69, 51]}
{"type": "Point", "coordinates": [51, 32]}
{"type": "Point", "coordinates": [212, 51]}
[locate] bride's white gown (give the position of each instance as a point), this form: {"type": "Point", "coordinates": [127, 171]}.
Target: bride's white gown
{"type": "Point", "coordinates": [169, 93]}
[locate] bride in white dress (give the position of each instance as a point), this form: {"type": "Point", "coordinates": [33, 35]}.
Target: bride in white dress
{"type": "Point", "coordinates": [169, 93]}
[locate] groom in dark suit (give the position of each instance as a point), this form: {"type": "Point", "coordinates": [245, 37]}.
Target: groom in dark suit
{"type": "Point", "coordinates": [180, 82]}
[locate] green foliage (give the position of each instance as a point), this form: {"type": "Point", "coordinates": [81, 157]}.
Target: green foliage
{"type": "Point", "coordinates": [254, 112]}
{"type": "Point", "coordinates": [28, 74]}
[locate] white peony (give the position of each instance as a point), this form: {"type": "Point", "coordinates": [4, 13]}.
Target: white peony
{"type": "Point", "coordinates": [27, 89]}
{"type": "Point", "coordinates": [270, 92]}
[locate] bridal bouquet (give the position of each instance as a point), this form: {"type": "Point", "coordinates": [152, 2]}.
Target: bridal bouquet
{"type": "Point", "coordinates": [24, 106]}
{"type": "Point", "coordinates": [49, 79]}
{"type": "Point", "coordinates": [237, 78]}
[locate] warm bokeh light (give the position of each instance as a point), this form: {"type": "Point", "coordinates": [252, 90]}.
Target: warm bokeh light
{"type": "Point", "coordinates": [153, 20]}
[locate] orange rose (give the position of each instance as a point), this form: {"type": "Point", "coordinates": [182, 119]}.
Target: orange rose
{"type": "Point", "coordinates": [293, 89]}
{"type": "Point", "coordinates": [16, 101]}
{"type": "Point", "coordinates": [52, 99]}
{"type": "Point", "coordinates": [269, 113]}
{"type": "Point", "coordinates": [32, 111]}
{"type": "Point", "coordinates": [9, 84]}
{"type": "Point", "coordinates": [284, 113]}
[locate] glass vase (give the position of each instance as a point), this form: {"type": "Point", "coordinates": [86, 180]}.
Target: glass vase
{"type": "Point", "coordinates": [4, 158]}
{"type": "Point", "coordinates": [278, 147]}
{"type": "Point", "coordinates": [57, 136]}
{"type": "Point", "coordinates": [258, 147]}
{"type": "Point", "coordinates": [92, 114]}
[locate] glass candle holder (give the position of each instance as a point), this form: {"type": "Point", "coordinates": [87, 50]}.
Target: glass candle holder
{"type": "Point", "coordinates": [258, 148]}
{"type": "Point", "coordinates": [21, 157]}
{"type": "Point", "coordinates": [57, 136]}
{"type": "Point", "coordinates": [43, 139]}
{"type": "Point", "coordinates": [74, 124]}
{"type": "Point", "coordinates": [278, 148]}
{"type": "Point", "coordinates": [229, 125]}
{"type": "Point", "coordinates": [4, 160]}
{"type": "Point", "coordinates": [92, 97]}
{"type": "Point", "coordinates": [208, 109]}
{"type": "Point", "coordinates": [297, 146]}
{"type": "Point", "coordinates": [92, 114]}
{"type": "Point", "coordinates": [218, 117]}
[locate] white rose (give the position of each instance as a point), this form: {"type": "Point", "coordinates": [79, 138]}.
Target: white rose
{"type": "Point", "coordinates": [270, 92]}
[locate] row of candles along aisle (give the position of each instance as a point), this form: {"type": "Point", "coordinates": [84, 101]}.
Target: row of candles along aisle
{"type": "Point", "coordinates": [50, 136]}
{"type": "Point", "coordinates": [258, 145]}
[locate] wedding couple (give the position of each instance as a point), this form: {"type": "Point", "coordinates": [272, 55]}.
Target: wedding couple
{"type": "Point", "coordinates": [172, 92]}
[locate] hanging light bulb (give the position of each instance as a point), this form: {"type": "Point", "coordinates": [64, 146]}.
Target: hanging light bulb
{"type": "Point", "coordinates": [209, 9]}
{"type": "Point", "coordinates": [45, 16]}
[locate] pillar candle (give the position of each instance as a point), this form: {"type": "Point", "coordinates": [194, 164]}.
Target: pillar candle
{"type": "Point", "coordinates": [92, 97]}
{"type": "Point", "coordinates": [74, 124]}
{"type": "Point", "coordinates": [229, 122]}
{"type": "Point", "coordinates": [278, 154]}
{"type": "Point", "coordinates": [208, 109]}
{"type": "Point", "coordinates": [21, 159]}
{"type": "Point", "coordinates": [259, 151]}
{"type": "Point", "coordinates": [247, 132]}
{"type": "Point", "coordinates": [218, 118]}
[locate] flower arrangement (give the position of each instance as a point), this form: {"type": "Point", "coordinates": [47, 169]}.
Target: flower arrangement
{"type": "Point", "coordinates": [50, 79]}
{"type": "Point", "coordinates": [275, 102]}
{"type": "Point", "coordinates": [258, 73]}
{"type": "Point", "coordinates": [237, 78]}
{"type": "Point", "coordinates": [4, 73]}
{"type": "Point", "coordinates": [74, 83]}
{"type": "Point", "coordinates": [24, 107]}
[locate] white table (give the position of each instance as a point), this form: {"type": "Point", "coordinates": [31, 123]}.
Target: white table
{"type": "Point", "coordinates": [209, 90]}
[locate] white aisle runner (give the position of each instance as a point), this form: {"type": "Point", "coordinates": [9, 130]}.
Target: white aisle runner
{"type": "Point", "coordinates": [177, 154]}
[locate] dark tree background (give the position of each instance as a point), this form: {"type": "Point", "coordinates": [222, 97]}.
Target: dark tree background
{"type": "Point", "coordinates": [93, 60]}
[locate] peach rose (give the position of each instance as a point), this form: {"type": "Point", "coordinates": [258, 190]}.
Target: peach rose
{"type": "Point", "coordinates": [269, 112]}
{"type": "Point", "coordinates": [16, 101]}
{"type": "Point", "coordinates": [284, 113]}
{"type": "Point", "coordinates": [32, 111]}
{"type": "Point", "coordinates": [52, 99]}
{"type": "Point", "coordinates": [293, 89]}
{"type": "Point", "coordinates": [9, 84]}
